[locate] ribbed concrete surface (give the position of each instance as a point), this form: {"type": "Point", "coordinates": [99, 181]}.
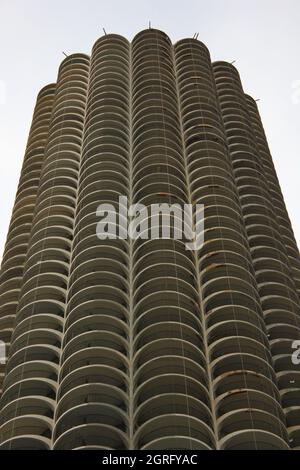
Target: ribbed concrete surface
{"type": "Point", "coordinates": [141, 344]}
{"type": "Point", "coordinates": [33, 365]}
{"type": "Point", "coordinates": [21, 221]}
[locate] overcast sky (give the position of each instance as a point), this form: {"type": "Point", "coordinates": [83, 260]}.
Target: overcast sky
{"type": "Point", "coordinates": [263, 36]}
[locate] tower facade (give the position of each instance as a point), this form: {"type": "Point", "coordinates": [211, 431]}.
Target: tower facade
{"type": "Point", "coordinates": [134, 343]}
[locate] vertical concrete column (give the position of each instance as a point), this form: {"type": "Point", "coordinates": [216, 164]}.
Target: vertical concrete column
{"type": "Point", "coordinates": [28, 400]}
{"type": "Point", "coordinates": [11, 273]}
{"type": "Point", "coordinates": [246, 399]}
{"type": "Point", "coordinates": [277, 290]}
{"type": "Point", "coordinates": [93, 396]}
{"type": "Point", "coordinates": [172, 404]}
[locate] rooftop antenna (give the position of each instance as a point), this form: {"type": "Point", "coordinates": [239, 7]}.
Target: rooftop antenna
{"type": "Point", "coordinates": [258, 99]}
{"type": "Point", "coordinates": [194, 36]}
{"type": "Point", "coordinates": [104, 31]}
{"type": "Point", "coordinates": [66, 55]}
{"type": "Point", "coordinates": [150, 25]}
{"type": "Point", "coordinates": [233, 62]}
{"type": "Point", "coordinates": [197, 35]}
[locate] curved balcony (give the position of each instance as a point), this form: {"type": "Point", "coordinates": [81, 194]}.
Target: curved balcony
{"type": "Point", "coordinates": [35, 350]}
{"type": "Point", "coordinates": [18, 235]}
{"type": "Point", "coordinates": [94, 364]}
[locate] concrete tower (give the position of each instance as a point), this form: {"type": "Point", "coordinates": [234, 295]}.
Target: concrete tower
{"type": "Point", "coordinates": [140, 343]}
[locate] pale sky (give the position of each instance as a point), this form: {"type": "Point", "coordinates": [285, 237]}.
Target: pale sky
{"type": "Point", "coordinates": [263, 36]}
